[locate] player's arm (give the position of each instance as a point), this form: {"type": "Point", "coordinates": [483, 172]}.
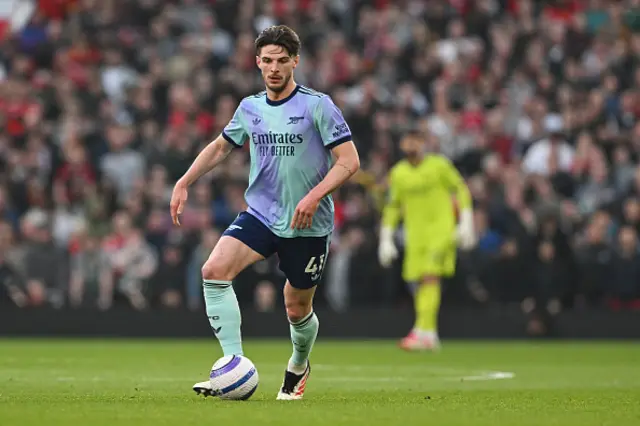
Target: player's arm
{"type": "Point", "coordinates": [347, 162]}
{"type": "Point", "coordinates": [391, 214]}
{"type": "Point", "coordinates": [233, 136]}
{"type": "Point", "coordinates": [456, 184]}
{"type": "Point", "coordinates": [392, 211]}
{"type": "Point", "coordinates": [212, 155]}
{"type": "Point", "coordinates": [336, 136]}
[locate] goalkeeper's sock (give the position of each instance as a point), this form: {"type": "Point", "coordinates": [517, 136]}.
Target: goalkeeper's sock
{"type": "Point", "coordinates": [224, 315]}
{"type": "Point", "coordinates": [303, 336]}
{"type": "Point", "coordinates": [427, 305]}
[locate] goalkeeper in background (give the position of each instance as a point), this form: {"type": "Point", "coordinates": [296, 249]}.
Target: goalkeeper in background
{"type": "Point", "coordinates": [421, 188]}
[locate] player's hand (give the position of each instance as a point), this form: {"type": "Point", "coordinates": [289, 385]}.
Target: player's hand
{"type": "Point", "coordinates": [466, 238]}
{"type": "Point", "coordinates": [305, 210]}
{"type": "Point", "coordinates": [465, 233]}
{"type": "Point", "coordinates": [178, 200]}
{"type": "Point", "coordinates": [387, 251]}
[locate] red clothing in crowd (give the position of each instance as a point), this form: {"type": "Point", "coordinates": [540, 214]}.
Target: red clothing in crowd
{"type": "Point", "coordinates": [56, 9]}
{"type": "Point", "coordinates": [563, 12]}
{"type": "Point", "coordinates": [15, 111]}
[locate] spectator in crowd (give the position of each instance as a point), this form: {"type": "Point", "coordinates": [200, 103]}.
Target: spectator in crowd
{"type": "Point", "coordinates": [625, 287]}
{"type": "Point", "coordinates": [89, 269]}
{"type": "Point", "coordinates": [11, 287]}
{"type": "Point", "coordinates": [104, 104]}
{"type": "Point", "coordinates": [594, 257]}
{"type": "Point", "coordinates": [131, 265]}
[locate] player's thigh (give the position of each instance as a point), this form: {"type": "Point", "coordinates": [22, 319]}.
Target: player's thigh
{"type": "Point", "coordinates": [303, 260]}
{"type": "Point", "coordinates": [440, 262]}
{"type": "Point", "coordinates": [429, 262]}
{"type": "Point", "coordinates": [228, 258]}
{"type": "Point", "coordinates": [449, 263]}
{"type": "Point", "coordinates": [245, 242]}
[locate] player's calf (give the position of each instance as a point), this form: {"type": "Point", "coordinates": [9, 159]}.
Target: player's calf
{"type": "Point", "coordinates": [303, 326]}
{"type": "Point", "coordinates": [297, 309]}
{"type": "Point", "coordinates": [304, 332]}
{"type": "Point", "coordinates": [427, 305]}
{"type": "Point", "coordinates": [228, 259]}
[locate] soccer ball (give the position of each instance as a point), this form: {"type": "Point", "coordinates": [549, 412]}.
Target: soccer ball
{"type": "Point", "coordinates": [234, 377]}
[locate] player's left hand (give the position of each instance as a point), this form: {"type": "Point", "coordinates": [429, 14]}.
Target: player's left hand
{"type": "Point", "coordinates": [465, 233]}
{"type": "Point", "coordinates": [466, 238]}
{"type": "Point", "coordinates": [303, 215]}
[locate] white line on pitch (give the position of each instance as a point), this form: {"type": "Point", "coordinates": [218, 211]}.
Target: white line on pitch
{"type": "Point", "coordinates": [490, 375]}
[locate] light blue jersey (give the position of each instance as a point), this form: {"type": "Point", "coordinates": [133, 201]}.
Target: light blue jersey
{"type": "Point", "coordinates": [290, 142]}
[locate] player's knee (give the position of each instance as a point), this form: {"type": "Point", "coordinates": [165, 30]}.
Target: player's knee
{"type": "Point", "coordinates": [297, 310]}
{"type": "Point", "coordinates": [214, 269]}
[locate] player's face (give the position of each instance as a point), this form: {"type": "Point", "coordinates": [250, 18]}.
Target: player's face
{"type": "Point", "coordinates": [277, 66]}
{"type": "Point", "coordinates": [411, 146]}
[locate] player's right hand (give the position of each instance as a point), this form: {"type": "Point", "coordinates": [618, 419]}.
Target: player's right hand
{"type": "Point", "coordinates": [387, 251]}
{"type": "Point", "coordinates": [178, 200]}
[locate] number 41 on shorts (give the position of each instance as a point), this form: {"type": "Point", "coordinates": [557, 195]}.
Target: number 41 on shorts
{"type": "Point", "coordinates": [315, 268]}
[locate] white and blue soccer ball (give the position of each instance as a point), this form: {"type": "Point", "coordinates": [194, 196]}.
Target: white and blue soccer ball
{"type": "Point", "coordinates": [234, 377]}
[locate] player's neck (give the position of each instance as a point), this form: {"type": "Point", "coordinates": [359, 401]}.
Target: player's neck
{"type": "Point", "coordinates": [414, 160]}
{"type": "Point", "coordinates": [284, 94]}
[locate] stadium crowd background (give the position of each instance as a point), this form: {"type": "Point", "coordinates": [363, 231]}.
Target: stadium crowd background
{"type": "Point", "coordinates": [105, 103]}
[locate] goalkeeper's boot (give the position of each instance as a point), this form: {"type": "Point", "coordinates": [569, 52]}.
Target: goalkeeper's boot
{"type": "Point", "coordinates": [294, 384]}
{"type": "Point", "coordinates": [204, 388]}
{"type": "Point", "coordinates": [415, 342]}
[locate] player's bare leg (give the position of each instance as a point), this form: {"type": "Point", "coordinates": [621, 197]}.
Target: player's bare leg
{"type": "Point", "coordinates": [229, 257]}
{"type": "Point", "coordinates": [304, 330]}
{"type": "Point", "coordinates": [424, 335]}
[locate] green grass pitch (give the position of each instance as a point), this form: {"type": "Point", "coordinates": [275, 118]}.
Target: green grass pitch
{"type": "Point", "coordinates": [116, 382]}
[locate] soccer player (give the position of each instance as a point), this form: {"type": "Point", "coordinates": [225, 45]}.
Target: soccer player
{"type": "Point", "coordinates": [301, 151]}
{"type": "Point", "coordinates": [420, 192]}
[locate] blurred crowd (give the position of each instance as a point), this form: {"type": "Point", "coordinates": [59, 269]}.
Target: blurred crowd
{"type": "Point", "coordinates": [105, 103]}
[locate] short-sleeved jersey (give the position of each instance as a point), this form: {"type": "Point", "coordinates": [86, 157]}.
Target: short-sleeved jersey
{"type": "Point", "coordinates": [290, 147]}
{"type": "Point", "coordinates": [422, 196]}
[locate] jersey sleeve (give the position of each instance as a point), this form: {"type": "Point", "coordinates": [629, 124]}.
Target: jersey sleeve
{"type": "Point", "coordinates": [392, 210]}
{"type": "Point", "coordinates": [452, 179]}
{"type": "Point", "coordinates": [329, 121]}
{"type": "Point", "coordinates": [234, 132]}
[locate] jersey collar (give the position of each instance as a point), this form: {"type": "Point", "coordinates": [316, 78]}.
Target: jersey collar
{"type": "Point", "coordinates": [284, 100]}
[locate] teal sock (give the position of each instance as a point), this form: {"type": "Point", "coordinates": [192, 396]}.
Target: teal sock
{"type": "Point", "coordinates": [224, 315]}
{"type": "Point", "coordinates": [303, 336]}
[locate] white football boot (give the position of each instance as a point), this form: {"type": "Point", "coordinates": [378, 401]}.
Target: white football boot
{"type": "Point", "coordinates": [415, 342]}
{"type": "Point", "coordinates": [293, 385]}
{"type": "Point", "coordinates": [204, 388]}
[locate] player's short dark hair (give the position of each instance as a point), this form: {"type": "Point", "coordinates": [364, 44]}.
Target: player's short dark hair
{"type": "Point", "coordinates": [280, 35]}
{"type": "Point", "coordinates": [414, 131]}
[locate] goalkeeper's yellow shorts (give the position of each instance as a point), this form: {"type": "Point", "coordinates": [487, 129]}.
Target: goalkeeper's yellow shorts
{"type": "Point", "coordinates": [429, 261]}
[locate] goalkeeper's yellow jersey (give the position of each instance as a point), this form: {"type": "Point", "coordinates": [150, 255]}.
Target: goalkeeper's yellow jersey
{"type": "Point", "coordinates": [422, 195]}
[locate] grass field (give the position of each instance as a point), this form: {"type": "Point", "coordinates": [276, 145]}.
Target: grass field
{"type": "Point", "coordinates": [114, 382]}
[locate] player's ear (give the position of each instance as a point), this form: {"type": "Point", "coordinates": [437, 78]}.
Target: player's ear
{"type": "Point", "coordinates": [296, 60]}
{"type": "Point", "coordinates": [258, 61]}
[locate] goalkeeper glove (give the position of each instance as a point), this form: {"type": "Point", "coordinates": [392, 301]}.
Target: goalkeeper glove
{"type": "Point", "coordinates": [387, 250]}
{"type": "Point", "coordinates": [465, 233]}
